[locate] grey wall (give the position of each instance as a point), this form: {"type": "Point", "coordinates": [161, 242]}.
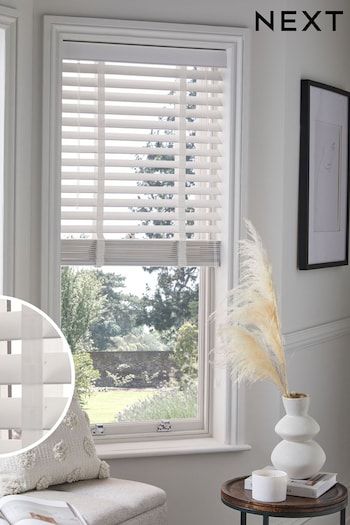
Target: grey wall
{"type": "Point", "coordinates": [308, 299]}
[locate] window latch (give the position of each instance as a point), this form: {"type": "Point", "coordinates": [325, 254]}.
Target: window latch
{"type": "Point", "coordinates": [97, 430]}
{"type": "Point", "coordinates": [164, 426]}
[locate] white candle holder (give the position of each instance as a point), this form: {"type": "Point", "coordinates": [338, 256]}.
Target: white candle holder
{"type": "Point", "coordinates": [269, 485]}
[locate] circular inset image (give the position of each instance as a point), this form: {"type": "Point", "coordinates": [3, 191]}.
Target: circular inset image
{"type": "Point", "coordinates": [36, 376]}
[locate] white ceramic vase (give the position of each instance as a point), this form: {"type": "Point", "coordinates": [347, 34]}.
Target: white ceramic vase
{"type": "Point", "coordinates": [298, 454]}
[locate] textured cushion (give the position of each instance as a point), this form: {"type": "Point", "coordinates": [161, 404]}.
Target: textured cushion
{"type": "Point", "coordinates": [113, 501]}
{"type": "Point", "coordinates": [67, 455]}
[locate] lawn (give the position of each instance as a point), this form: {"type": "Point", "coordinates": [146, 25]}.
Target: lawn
{"type": "Point", "coordinates": [102, 407]}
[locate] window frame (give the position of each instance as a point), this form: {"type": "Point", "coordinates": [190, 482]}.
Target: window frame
{"type": "Point", "coordinates": [8, 23]}
{"type": "Point", "coordinates": [179, 427]}
{"type": "Point", "coordinates": [221, 421]}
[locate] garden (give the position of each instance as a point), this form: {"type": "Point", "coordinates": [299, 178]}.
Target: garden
{"type": "Point", "coordinates": [136, 355]}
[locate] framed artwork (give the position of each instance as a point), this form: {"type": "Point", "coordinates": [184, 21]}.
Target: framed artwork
{"type": "Point", "coordinates": [323, 176]}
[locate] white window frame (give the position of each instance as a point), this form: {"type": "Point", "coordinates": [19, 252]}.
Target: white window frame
{"type": "Point", "coordinates": [8, 23]}
{"type": "Point", "coordinates": [221, 428]}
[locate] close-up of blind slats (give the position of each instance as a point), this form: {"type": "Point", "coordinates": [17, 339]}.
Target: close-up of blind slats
{"type": "Point", "coordinates": [142, 155]}
{"type": "Point", "coordinates": [35, 375]}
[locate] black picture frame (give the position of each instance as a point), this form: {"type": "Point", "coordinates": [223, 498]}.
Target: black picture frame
{"type": "Point", "coordinates": [314, 244]}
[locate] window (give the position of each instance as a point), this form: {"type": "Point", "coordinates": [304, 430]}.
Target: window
{"type": "Point", "coordinates": [142, 132]}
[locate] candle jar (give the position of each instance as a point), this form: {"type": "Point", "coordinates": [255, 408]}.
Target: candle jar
{"type": "Point", "coordinates": [269, 485]}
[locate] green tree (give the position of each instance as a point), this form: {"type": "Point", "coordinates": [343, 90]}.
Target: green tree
{"type": "Point", "coordinates": [119, 313]}
{"type": "Point", "coordinates": [81, 304]}
{"type": "Point", "coordinates": [175, 299]}
{"type": "Point", "coordinates": [85, 375]}
{"type": "Point", "coordinates": [186, 354]}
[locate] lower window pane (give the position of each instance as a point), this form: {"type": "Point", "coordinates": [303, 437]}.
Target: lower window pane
{"type": "Point", "coordinates": [134, 335]}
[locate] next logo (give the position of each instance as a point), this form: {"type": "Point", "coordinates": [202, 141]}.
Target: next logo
{"type": "Point", "coordinates": [288, 20]}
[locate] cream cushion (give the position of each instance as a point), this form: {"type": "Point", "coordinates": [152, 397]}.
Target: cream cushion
{"type": "Point", "coordinates": [112, 501]}
{"type": "Point", "coordinates": [67, 455]}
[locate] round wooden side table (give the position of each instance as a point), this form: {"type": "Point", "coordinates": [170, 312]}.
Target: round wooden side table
{"type": "Point", "coordinates": [235, 496]}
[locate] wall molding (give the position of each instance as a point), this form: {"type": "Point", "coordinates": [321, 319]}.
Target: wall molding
{"type": "Point", "coordinates": [316, 335]}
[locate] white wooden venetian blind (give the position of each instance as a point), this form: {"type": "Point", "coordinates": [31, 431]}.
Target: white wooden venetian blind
{"type": "Point", "coordinates": [34, 368]}
{"type": "Point", "coordinates": [142, 155]}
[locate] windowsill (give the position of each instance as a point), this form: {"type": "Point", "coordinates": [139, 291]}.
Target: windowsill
{"type": "Point", "coordinates": [172, 447]}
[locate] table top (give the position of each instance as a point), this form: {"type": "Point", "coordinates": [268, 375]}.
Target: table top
{"type": "Point", "coordinates": [235, 496]}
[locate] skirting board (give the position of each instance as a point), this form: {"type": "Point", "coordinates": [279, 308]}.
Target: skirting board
{"type": "Point", "coordinates": [316, 335]}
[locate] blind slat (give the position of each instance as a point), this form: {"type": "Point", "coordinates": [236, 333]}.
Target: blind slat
{"type": "Point", "coordinates": [153, 164]}
{"type": "Point", "coordinates": [11, 327]}
{"type": "Point", "coordinates": [130, 70]}
{"type": "Point", "coordinates": [110, 96]}
{"type": "Point", "coordinates": [82, 134]}
{"type": "Point", "coordinates": [139, 216]}
{"type": "Point", "coordinates": [127, 228]}
{"type": "Point", "coordinates": [154, 85]}
{"type": "Point", "coordinates": [11, 412]}
{"type": "Point", "coordinates": [139, 124]}
{"type": "Point", "coordinates": [141, 111]}
{"type": "Point", "coordinates": [127, 150]}
{"type": "Point", "coordinates": [10, 445]}
{"type": "Point", "coordinates": [139, 190]}
{"type": "Point", "coordinates": [81, 176]}
{"type": "Point", "coordinates": [56, 369]}
{"type": "Point", "coordinates": [137, 203]}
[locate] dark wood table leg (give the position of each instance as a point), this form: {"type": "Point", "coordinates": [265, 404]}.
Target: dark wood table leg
{"type": "Point", "coordinates": [342, 517]}
{"type": "Point", "coordinates": [266, 519]}
{"type": "Point", "coordinates": [243, 518]}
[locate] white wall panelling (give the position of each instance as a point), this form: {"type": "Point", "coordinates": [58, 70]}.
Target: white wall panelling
{"type": "Point", "coordinates": [316, 335]}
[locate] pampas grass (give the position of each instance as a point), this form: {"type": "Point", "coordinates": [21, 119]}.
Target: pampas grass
{"type": "Point", "coordinates": [251, 338]}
